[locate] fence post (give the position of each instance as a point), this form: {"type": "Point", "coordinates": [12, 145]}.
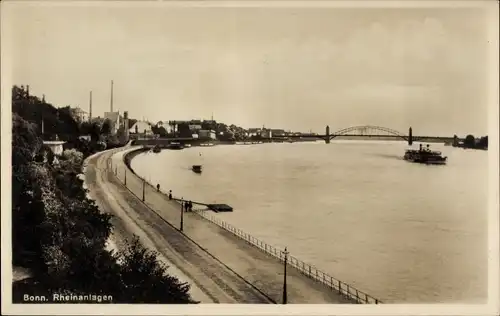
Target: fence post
{"type": "Point", "coordinates": [309, 271]}
{"type": "Point", "coordinates": [340, 287]}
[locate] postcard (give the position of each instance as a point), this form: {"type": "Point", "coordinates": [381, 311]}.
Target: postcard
{"type": "Point", "coordinates": [250, 157]}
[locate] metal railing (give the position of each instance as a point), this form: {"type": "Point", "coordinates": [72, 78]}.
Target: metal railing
{"type": "Point", "coordinates": [306, 269]}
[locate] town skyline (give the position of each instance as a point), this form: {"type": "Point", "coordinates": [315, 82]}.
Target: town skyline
{"type": "Point", "coordinates": [255, 66]}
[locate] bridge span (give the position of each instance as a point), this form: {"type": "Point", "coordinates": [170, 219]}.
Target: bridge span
{"type": "Point", "coordinates": [369, 131]}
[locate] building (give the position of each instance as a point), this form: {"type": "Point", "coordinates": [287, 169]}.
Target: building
{"type": "Point", "coordinates": [142, 128]}
{"type": "Point", "coordinates": [79, 115]}
{"type": "Point", "coordinates": [203, 133]}
{"type": "Point", "coordinates": [194, 127]}
{"type": "Point", "coordinates": [254, 131]}
{"type": "Point", "coordinates": [115, 120]}
{"type": "Point", "coordinates": [266, 133]}
{"type": "Point", "coordinates": [278, 132]}
{"type": "Point", "coordinates": [98, 120]}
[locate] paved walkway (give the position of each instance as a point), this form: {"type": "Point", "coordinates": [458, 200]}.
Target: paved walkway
{"type": "Point", "coordinates": [261, 270]}
{"type": "Point", "coordinates": [210, 281]}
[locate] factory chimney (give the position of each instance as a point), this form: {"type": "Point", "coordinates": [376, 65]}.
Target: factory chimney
{"type": "Point", "coordinates": [111, 96]}
{"type": "Point", "coordinates": [90, 107]}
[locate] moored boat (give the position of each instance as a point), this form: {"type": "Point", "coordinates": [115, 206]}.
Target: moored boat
{"type": "Point", "coordinates": [175, 145]}
{"type": "Point", "coordinates": [196, 168]}
{"type": "Point", "coordinates": [425, 156]}
{"type": "Point", "coordinates": [156, 149]}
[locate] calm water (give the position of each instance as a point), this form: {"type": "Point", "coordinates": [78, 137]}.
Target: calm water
{"type": "Point", "coordinates": [402, 232]}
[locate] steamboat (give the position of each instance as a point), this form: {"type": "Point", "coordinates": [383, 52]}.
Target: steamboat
{"type": "Point", "coordinates": [425, 156]}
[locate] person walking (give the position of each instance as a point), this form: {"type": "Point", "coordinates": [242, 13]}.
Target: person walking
{"type": "Point", "coordinates": [158, 187]}
{"type": "Point", "coordinates": [170, 194]}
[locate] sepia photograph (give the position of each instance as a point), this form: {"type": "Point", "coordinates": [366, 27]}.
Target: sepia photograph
{"type": "Point", "coordinates": [222, 157]}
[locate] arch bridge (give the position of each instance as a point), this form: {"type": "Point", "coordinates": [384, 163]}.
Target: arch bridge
{"type": "Point", "coordinates": [372, 131]}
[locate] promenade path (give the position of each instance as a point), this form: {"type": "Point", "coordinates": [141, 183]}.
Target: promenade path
{"type": "Point", "coordinates": [220, 273]}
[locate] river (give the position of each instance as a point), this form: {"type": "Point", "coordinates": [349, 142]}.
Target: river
{"type": "Point", "coordinates": [402, 232]}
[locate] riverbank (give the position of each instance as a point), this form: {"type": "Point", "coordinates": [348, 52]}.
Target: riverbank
{"type": "Point", "coordinates": [95, 177]}
{"type": "Point", "coordinates": [214, 281]}
{"type": "Point", "coordinates": [260, 269]}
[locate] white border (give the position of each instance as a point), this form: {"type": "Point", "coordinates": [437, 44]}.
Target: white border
{"type": "Point", "coordinates": [491, 308]}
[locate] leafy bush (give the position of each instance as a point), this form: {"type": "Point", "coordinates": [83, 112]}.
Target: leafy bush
{"type": "Point", "coordinates": [145, 278]}
{"type": "Point", "coordinates": [60, 234]}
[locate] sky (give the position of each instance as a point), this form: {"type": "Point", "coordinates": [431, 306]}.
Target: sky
{"type": "Point", "coordinates": [282, 67]}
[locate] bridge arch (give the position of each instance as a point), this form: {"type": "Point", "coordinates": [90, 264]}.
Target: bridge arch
{"type": "Point", "coordinates": [361, 128]}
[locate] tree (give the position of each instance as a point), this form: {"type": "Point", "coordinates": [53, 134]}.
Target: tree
{"type": "Point", "coordinates": [106, 127]}
{"type": "Point", "coordinates": [27, 209]}
{"type": "Point", "coordinates": [61, 234]}
{"type": "Point", "coordinates": [131, 122]}
{"type": "Point", "coordinates": [159, 130]}
{"type": "Point", "coordinates": [56, 121]}
{"type": "Point", "coordinates": [95, 132]}
{"type": "Point", "coordinates": [162, 131]}
{"type": "Point", "coordinates": [470, 141]}
{"type": "Point", "coordinates": [146, 280]}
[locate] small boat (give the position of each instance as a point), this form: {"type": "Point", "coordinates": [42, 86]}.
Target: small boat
{"type": "Point", "coordinates": [156, 149]}
{"type": "Point", "coordinates": [196, 168]}
{"type": "Point", "coordinates": [175, 145]}
{"type": "Point", "coordinates": [425, 156]}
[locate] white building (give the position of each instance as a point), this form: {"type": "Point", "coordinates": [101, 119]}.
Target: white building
{"type": "Point", "coordinates": [266, 133]}
{"type": "Point", "coordinates": [194, 127]}
{"type": "Point", "coordinates": [79, 114]}
{"type": "Point", "coordinates": [141, 127]}
{"type": "Point", "coordinates": [254, 131]}
{"type": "Point", "coordinates": [203, 133]}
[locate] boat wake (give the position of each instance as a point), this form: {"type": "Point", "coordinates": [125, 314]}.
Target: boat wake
{"type": "Point", "coordinates": [388, 156]}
